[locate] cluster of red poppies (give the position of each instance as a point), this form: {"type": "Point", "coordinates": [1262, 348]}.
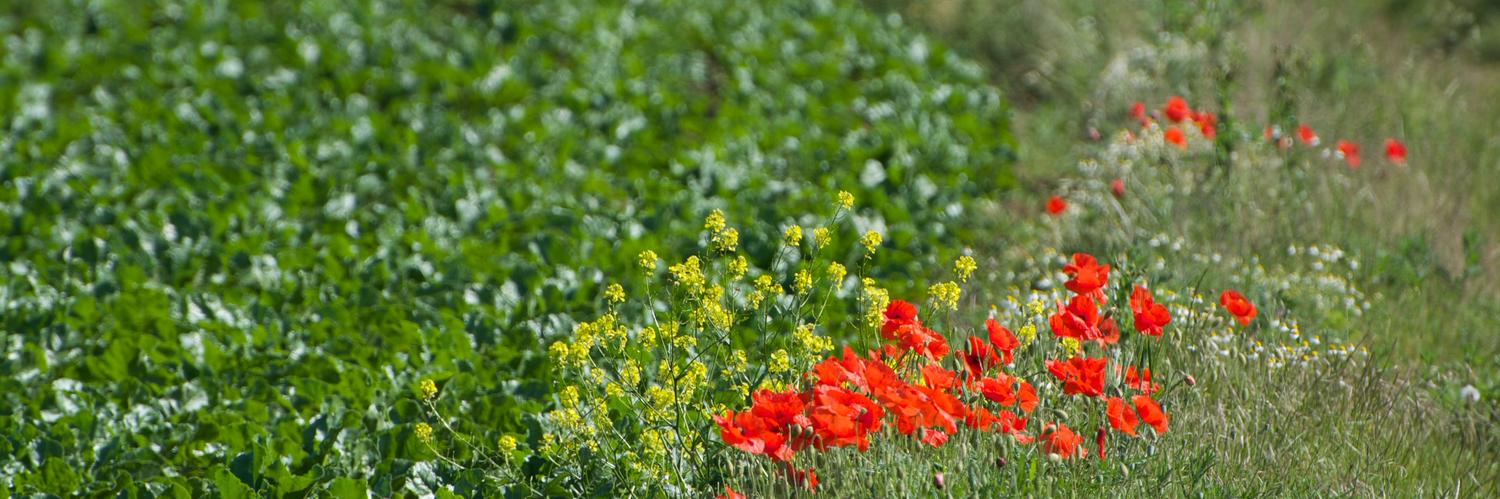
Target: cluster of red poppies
{"type": "Point", "coordinates": [1395, 150]}
{"type": "Point", "coordinates": [1178, 112]}
{"type": "Point", "coordinates": [903, 384]}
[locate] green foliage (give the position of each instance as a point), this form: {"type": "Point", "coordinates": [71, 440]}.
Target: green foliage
{"type": "Point", "coordinates": [238, 232]}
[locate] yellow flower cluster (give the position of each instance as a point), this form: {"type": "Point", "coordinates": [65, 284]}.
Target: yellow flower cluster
{"type": "Point", "coordinates": [738, 268]}
{"type": "Point", "coordinates": [945, 293]}
{"type": "Point", "coordinates": [1027, 333]}
{"type": "Point", "coordinates": [715, 222]}
{"type": "Point", "coordinates": [781, 362]}
{"type": "Point", "coordinates": [876, 300]}
{"type": "Point", "coordinates": [965, 267]}
{"type": "Point", "coordinates": [871, 242]}
{"type": "Point", "coordinates": [821, 237]}
{"type": "Point", "coordinates": [846, 200]}
{"type": "Point", "coordinates": [648, 261]}
{"type": "Point", "coordinates": [585, 336]}
{"type": "Point", "coordinates": [429, 389]}
{"type": "Point", "coordinates": [507, 443]}
{"type": "Point", "coordinates": [689, 274]}
{"type": "Point", "coordinates": [765, 287]}
{"type": "Point", "coordinates": [1071, 347]}
{"type": "Point", "coordinates": [615, 293]}
{"type": "Point", "coordinates": [836, 273]}
{"type": "Point", "coordinates": [794, 236]}
{"type": "Point", "coordinates": [727, 240]}
{"type": "Point", "coordinates": [803, 281]}
{"type": "Point", "coordinates": [812, 346]}
{"type": "Point", "coordinates": [569, 396]}
{"type": "Point", "coordinates": [424, 432]}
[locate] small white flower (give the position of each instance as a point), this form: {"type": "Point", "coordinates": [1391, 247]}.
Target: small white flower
{"type": "Point", "coordinates": [1469, 393]}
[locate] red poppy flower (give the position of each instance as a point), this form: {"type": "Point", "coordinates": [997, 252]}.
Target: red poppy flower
{"type": "Point", "coordinates": [978, 358]}
{"type": "Point", "coordinates": [937, 377]}
{"type": "Point", "coordinates": [1028, 399]}
{"type": "Point", "coordinates": [935, 438]}
{"type": "Point", "coordinates": [1109, 332]}
{"type": "Point", "coordinates": [729, 493]}
{"type": "Point", "coordinates": [1140, 380]}
{"type": "Point", "coordinates": [837, 372]}
{"type": "Point", "coordinates": [1079, 319]}
{"type": "Point", "coordinates": [1350, 152]}
{"type": "Point", "coordinates": [1117, 187]}
{"type": "Point", "coordinates": [1003, 340]}
{"type": "Point", "coordinates": [1150, 317]}
{"type": "Point", "coordinates": [1175, 136]}
{"type": "Point", "coordinates": [1238, 306]}
{"type": "Point", "coordinates": [897, 314]}
{"type": "Point", "coordinates": [1000, 389]}
{"type": "Point", "coordinates": [1150, 412]}
{"type": "Point", "coordinates": [1395, 151]}
{"type": "Point", "coordinates": [1208, 124]}
{"type": "Point", "coordinates": [1080, 375]}
{"type": "Point", "coordinates": [1062, 441]}
{"type": "Point", "coordinates": [1120, 416]}
{"type": "Point", "coordinates": [921, 340]}
{"type": "Point", "coordinates": [1138, 111]}
{"type": "Point", "coordinates": [1307, 135]}
{"type": "Point", "coordinates": [1087, 275]}
{"type": "Point", "coordinates": [1177, 109]}
{"type": "Point", "coordinates": [1056, 205]}
{"type": "Point", "coordinates": [841, 417]}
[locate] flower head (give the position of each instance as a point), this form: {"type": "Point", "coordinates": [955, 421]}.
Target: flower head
{"type": "Point", "coordinates": [1395, 151]}
{"type": "Point", "coordinates": [965, 267]}
{"type": "Point", "coordinates": [1056, 205]}
{"type": "Point", "coordinates": [648, 260]}
{"type": "Point", "coordinates": [1238, 306]}
{"type": "Point", "coordinates": [429, 389]}
{"type": "Point", "coordinates": [871, 241]}
{"type": "Point", "coordinates": [614, 293]}
{"type": "Point", "coordinates": [846, 200]}
{"type": "Point", "coordinates": [793, 236]}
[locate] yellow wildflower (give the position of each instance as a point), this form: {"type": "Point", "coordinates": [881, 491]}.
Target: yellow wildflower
{"type": "Point", "coordinates": [1028, 334]}
{"type": "Point", "coordinates": [821, 237]}
{"type": "Point", "coordinates": [507, 443]}
{"type": "Point", "coordinates": [945, 293]}
{"type": "Point", "coordinates": [846, 200]}
{"type": "Point", "coordinates": [965, 267]}
{"type": "Point", "coordinates": [615, 293]}
{"type": "Point", "coordinates": [715, 222]}
{"type": "Point", "coordinates": [738, 267]}
{"type": "Point", "coordinates": [1071, 347]}
{"type": "Point", "coordinates": [871, 241]}
{"type": "Point", "coordinates": [803, 282]}
{"type": "Point", "coordinates": [688, 274]}
{"type": "Point", "coordinates": [569, 396]}
{"type": "Point", "coordinates": [727, 240]}
{"type": "Point", "coordinates": [794, 236]}
{"type": "Point", "coordinates": [781, 362]}
{"type": "Point", "coordinates": [429, 389]}
{"type": "Point", "coordinates": [424, 432]}
{"type": "Point", "coordinates": [630, 373]}
{"type": "Point", "coordinates": [648, 260]}
{"type": "Point", "coordinates": [836, 273]}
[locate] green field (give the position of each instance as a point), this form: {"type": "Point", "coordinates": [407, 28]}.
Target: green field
{"type": "Point", "coordinates": [371, 248]}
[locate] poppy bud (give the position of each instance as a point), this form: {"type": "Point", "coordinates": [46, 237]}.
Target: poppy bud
{"type": "Point", "coordinates": [937, 479]}
{"type": "Point", "coordinates": [1191, 381]}
{"type": "Point", "coordinates": [1099, 438]}
{"type": "Point", "coordinates": [999, 462]}
{"type": "Point", "coordinates": [1118, 187]}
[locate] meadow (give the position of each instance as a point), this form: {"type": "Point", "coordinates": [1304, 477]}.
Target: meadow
{"type": "Point", "coordinates": [487, 248]}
